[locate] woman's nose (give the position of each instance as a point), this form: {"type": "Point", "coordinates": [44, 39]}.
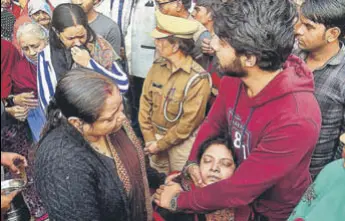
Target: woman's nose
{"type": "Point", "coordinates": [32, 52]}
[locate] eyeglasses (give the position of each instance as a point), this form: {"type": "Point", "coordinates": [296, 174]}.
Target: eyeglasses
{"type": "Point", "coordinates": [160, 4]}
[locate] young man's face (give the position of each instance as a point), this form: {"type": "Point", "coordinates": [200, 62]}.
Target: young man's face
{"type": "Point", "coordinates": [201, 14]}
{"type": "Point", "coordinates": [310, 35]}
{"type": "Point", "coordinates": [87, 5]}
{"type": "Point", "coordinates": [228, 62]}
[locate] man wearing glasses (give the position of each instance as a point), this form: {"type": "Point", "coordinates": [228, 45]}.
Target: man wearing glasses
{"type": "Point", "coordinates": [179, 8]}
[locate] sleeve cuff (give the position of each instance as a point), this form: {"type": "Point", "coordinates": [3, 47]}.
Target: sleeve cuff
{"type": "Point", "coordinates": [149, 137]}
{"type": "Point", "coordinates": [162, 144]}
{"type": "Point", "coordinates": [89, 66]}
{"type": "Point", "coordinates": [182, 201]}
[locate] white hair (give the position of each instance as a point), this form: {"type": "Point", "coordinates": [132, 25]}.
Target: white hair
{"type": "Point", "coordinates": [33, 29]}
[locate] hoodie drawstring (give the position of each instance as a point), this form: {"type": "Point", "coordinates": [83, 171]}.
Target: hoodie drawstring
{"type": "Point", "coordinates": [246, 123]}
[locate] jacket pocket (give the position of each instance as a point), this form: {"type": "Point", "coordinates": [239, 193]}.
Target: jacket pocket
{"type": "Point", "coordinates": [174, 105]}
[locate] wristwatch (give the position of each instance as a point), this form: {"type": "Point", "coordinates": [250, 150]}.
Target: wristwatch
{"type": "Point", "coordinates": [173, 203]}
{"type": "Point", "coordinates": [9, 101]}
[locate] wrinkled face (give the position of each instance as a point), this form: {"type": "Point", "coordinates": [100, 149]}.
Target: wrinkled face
{"type": "Point", "coordinates": [86, 5]}
{"type": "Point", "coordinates": [216, 164]}
{"type": "Point", "coordinates": [73, 36]}
{"type": "Point", "coordinates": [201, 14]}
{"type": "Point", "coordinates": [228, 62]}
{"type": "Point", "coordinates": [41, 18]}
{"type": "Point", "coordinates": [164, 47]}
{"type": "Point", "coordinates": [31, 45]}
{"type": "Point", "coordinates": [167, 7]}
{"type": "Point", "coordinates": [309, 35]}
{"type": "Point", "coordinates": [110, 119]}
{"type": "Point", "coordinates": [5, 3]}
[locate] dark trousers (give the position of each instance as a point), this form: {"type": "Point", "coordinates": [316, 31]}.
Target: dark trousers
{"type": "Point", "coordinates": [134, 96]}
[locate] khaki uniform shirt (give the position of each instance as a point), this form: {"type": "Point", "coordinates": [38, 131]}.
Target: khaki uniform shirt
{"type": "Point", "coordinates": [161, 84]}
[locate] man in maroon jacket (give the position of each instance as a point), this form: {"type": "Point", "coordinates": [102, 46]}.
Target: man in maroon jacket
{"type": "Point", "coordinates": [266, 105]}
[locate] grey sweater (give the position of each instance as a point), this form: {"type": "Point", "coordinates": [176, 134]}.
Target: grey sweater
{"type": "Point", "coordinates": [109, 30]}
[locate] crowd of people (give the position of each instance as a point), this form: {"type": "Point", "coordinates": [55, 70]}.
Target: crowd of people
{"type": "Point", "coordinates": [215, 110]}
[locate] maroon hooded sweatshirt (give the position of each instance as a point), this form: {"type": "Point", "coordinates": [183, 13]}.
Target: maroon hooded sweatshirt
{"type": "Point", "coordinates": [274, 135]}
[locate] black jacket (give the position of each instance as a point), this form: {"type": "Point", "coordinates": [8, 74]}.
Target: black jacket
{"type": "Point", "coordinates": [74, 183]}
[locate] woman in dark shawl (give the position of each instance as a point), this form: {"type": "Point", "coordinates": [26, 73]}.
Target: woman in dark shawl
{"type": "Point", "coordinates": [89, 164]}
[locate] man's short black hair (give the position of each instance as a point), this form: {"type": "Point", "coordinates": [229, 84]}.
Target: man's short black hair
{"type": "Point", "coordinates": [330, 13]}
{"type": "Point", "coordinates": [210, 5]}
{"type": "Point", "coordinates": [263, 28]}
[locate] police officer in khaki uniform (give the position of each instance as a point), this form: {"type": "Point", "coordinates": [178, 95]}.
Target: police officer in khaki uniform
{"type": "Point", "coordinates": [174, 97]}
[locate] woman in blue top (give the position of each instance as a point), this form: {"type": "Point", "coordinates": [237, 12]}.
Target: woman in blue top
{"type": "Point", "coordinates": [72, 44]}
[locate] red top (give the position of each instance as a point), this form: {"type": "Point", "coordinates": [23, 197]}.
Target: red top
{"type": "Point", "coordinates": [9, 57]}
{"type": "Point", "coordinates": [274, 135]}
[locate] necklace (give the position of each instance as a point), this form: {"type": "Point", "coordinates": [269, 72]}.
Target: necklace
{"type": "Point", "coordinates": [103, 152]}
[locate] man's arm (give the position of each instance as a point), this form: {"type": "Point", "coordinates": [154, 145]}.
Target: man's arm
{"type": "Point", "coordinates": [275, 156]}
{"type": "Point", "coordinates": [214, 125]}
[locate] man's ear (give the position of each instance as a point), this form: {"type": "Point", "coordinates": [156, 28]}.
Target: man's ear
{"type": "Point", "coordinates": [175, 48]}
{"type": "Point", "coordinates": [248, 60]}
{"type": "Point", "coordinates": [332, 34]}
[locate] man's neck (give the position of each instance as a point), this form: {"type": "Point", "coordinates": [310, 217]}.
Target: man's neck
{"type": "Point", "coordinates": [176, 61]}
{"type": "Point", "coordinates": [209, 27]}
{"type": "Point", "coordinates": [258, 80]}
{"type": "Point", "coordinates": [321, 56]}
{"type": "Point", "coordinates": [92, 15]}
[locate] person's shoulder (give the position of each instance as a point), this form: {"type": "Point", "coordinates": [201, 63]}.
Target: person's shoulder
{"type": "Point", "coordinates": [106, 21]}
{"type": "Point", "coordinates": [61, 142]}
{"type": "Point", "coordinates": [196, 68]}
{"type": "Point", "coordinates": [159, 60]}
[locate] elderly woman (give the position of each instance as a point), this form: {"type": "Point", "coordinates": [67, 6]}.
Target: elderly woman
{"type": "Point", "coordinates": [174, 97]}
{"type": "Point", "coordinates": [37, 11]}
{"type": "Point", "coordinates": [89, 165]}
{"type": "Point", "coordinates": [32, 39]}
{"type": "Point", "coordinates": [72, 43]}
{"type": "Point", "coordinates": [23, 104]}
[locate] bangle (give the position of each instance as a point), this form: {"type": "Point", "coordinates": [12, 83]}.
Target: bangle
{"type": "Point", "coordinates": [10, 101]}
{"type": "Point", "coordinates": [173, 203]}
{"type": "Point", "coordinates": [186, 167]}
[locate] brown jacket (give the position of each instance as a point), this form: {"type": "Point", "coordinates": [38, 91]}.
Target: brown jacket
{"type": "Point", "coordinates": [160, 84]}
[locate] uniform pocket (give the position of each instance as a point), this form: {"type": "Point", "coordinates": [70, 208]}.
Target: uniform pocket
{"type": "Point", "coordinates": [173, 104]}
{"type": "Point", "coordinates": [157, 96]}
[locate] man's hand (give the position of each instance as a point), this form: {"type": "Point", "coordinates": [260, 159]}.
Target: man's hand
{"type": "Point", "coordinates": [26, 99]}
{"type": "Point", "coordinates": [151, 148]}
{"type": "Point", "coordinates": [81, 56]}
{"type": "Point", "coordinates": [8, 159]}
{"type": "Point", "coordinates": [171, 177]}
{"type": "Point", "coordinates": [195, 174]}
{"type": "Point", "coordinates": [18, 112]}
{"type": "Point", "coordinates": [206, 47]}
{"type": "Point", "coordinates": [6, 200]}
{"type": "Point", "coordinates": [165, 193]}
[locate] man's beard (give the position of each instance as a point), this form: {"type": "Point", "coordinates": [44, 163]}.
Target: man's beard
{"type": "Point", "coordinates": [233, 70]}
